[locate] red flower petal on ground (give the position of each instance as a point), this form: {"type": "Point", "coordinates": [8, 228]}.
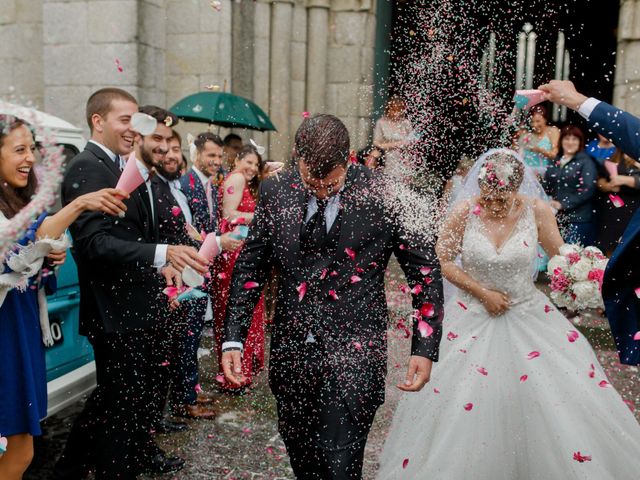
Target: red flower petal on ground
{"type": "Point", "coordinates": [547, 309]}
{"type": "Point", "coordinates": [468, 406]}
{"type": "Point", "coordinates": [451, 336]}
{"type": "Point", "coordinates": [572, 335]}
{"type": "Point", "coordinates": [464, 307]}
{"type": "Point", "coordinates": [435, 390]}
{"type": "Point", "coordinates": [604, 384]}
{"type": "Point", "coordinates": [524, 378]}
{"type": "Point", "coordinates": [578, 457]}
{"type": "Point", "coordinates": [533, 355]}
{"type": "Point", "coordinates": [482, 371]}
{"type": "Point", "coordinates": [405, 462]}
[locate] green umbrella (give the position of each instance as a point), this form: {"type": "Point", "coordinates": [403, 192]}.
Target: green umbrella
{"type": "Point", "coordinates": [223, 109]}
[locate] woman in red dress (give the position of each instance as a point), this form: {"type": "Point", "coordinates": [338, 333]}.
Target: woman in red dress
{"type": "Point", "coordinates": [237, 202]}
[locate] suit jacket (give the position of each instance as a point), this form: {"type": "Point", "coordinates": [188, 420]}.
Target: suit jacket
{"type": "Point", "coordinates": [119, 287]}
{"type": "Point", "coordinates": [574, 186]}
{"type": "Point", "coordinates": [196, 195]}
{"type": "Point", "coordinates": [622, 275]}
{"type": "Point", "coordinates": [348, 319]}
{"type": "Point", "coordinates": [172, 229]}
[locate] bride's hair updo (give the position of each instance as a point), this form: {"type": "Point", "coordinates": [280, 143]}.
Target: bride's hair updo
{"type": "Point", "coordinates": [502, 172]}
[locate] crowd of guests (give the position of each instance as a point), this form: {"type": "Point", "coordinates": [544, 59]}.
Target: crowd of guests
{"type": "Point", "coordinates": [144, 326]}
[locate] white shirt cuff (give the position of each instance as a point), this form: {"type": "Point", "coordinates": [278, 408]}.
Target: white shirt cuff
{"type": "Point", "coordinates": [587, 108]}
{"type": "Point", "coordinates": [160, 257]}
{"type": "Point", "coordinates": [219, 243]}
{"type": "Point", "coordinates": [226, 345]}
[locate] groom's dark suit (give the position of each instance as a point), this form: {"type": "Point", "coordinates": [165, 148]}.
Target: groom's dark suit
{"type": "Point", "coordinates": [119, 304]}
{"type": "Point", "coordinates": [328, 349]}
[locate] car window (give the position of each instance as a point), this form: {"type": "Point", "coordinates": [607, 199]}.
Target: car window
{"type": "Point", "coordinates": [69, 151]}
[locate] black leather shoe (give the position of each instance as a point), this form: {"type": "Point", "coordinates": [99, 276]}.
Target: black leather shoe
{"type": "Point", "coordinates": [168, 426]}
{"type": "Point", "coordinates": [160, 463]}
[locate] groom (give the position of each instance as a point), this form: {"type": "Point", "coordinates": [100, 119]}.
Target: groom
{"type": "Point", "coordinates": [326, 230]}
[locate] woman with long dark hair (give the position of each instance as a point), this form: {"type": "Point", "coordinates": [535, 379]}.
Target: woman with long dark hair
{"type": "Point", "coordinates": [237, 201]}
{"type": "Point", "coordinates": [24, 281]}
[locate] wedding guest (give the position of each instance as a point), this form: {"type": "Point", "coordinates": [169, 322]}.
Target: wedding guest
{"type": "Point", "coordinates": [571, 183]}
{"type": "Point", "coordinates": [539, 145]}
{"type": "Point", "coordinates": [118, 262]}
{"type": "Point", "coordinates": [600, 149]}
{"type": "Point", "coordinates": [371, 157]}
{"type": "Point", "coordinates": [463, 167]}
{"type": "Point", "coordinates": [232, 145]}
{"type": "Point", "coordinates": [26, 277]}
{"type": "Point", "coordinates": [625, 184]}
{"type": "Point", "coordinates": [237, 205]}
{"type": "Point", "coordinates": [393, 132]}
{"type": "Point", "coordinates": [622, 275]}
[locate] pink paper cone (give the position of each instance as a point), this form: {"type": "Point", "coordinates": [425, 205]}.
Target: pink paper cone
{"type": "Point", "coordinates": [209, 248]}
{"type": "Point", "coordinates": [611, 167]}
{"type": "Point", "coordinates": [535, 96]}
{"type": "Point", "coordinates": [130, 178]}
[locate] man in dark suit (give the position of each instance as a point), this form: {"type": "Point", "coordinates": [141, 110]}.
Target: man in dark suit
{"type": "Point", "coordinates": [326, 230]}
{"type": "Point", "coordinates": [622, 276]}
{"type": "Point", "coordinates": [181, 331]}
{"type": "Point", "coordinates": [119, 263]}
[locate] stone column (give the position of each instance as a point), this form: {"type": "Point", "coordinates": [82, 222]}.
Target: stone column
{"type": "Point", "coordinates": [317, 49]}
{"type": "Point", "coordinates": [262, 63]}
{"type": "Point", "coordinates": [242, 48]}
{"type": "Point", "coordinates": [626, 93]}
{"type": "Point", "coordinates": [280, 78]}
{"type": "Point", "coordinates": [152, 43]}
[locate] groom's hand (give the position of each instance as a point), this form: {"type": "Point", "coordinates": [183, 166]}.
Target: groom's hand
{"type": "Point", "coordinates": [418, 374]}
{"type": "Point", "coordinates": [232, 367]}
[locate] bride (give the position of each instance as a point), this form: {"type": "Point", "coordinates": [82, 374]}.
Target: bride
{"type": "Point", "coordinates": [512, 397]}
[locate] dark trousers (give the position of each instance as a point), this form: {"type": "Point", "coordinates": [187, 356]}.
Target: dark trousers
{"type": "Point", "coordinates": [324, 439]}
{"type": "Point", "coordinates": [175, 360]}
{"type": "Point", "coordinates": [112, 433]}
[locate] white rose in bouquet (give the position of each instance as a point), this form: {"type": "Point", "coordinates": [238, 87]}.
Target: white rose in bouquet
{"type": "Point", "coordinates": [600, 264]}
{"type": "Point", "coordinates": [580, 270]}
{"type": "Point", "coordinates": [587, 294]}
{"type": "Point", "coordinates": [592, 251]}
{"type": "Point", "coordinates": [567, 248]}
{"type": "Point", "coordinates": [558, 262]}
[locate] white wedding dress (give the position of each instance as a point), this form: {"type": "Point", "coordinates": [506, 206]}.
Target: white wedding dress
{"type": "Point", "coordinates": [494, 409]}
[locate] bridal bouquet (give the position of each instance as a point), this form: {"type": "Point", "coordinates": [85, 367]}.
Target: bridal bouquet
{"type": "Point", "coordinates": [576, 277]}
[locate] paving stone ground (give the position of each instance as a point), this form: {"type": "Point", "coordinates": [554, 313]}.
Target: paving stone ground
{"type": "Point", "coordinates": [243, 442]}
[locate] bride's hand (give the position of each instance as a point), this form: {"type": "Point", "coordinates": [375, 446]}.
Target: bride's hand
{"type": "Point", "coordinates": [496, 303]}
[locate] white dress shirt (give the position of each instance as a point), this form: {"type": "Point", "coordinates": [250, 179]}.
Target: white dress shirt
{"type": "Point", "coordinates": [179, 196]}
{"type": "Point", "coordinates": [587, 108]}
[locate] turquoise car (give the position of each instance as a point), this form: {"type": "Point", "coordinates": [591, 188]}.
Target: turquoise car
{"type": "Point", "coordinates": [71, 371]}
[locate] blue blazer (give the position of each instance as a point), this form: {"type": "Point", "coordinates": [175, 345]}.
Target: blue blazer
{"type": "Point", "coordinates": [197, 198]}
{"type": "Point", "coordinates": [622, 275]}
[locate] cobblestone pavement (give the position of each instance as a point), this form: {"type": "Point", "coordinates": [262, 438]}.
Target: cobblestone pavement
{"type": "Point", "coordinates": [243, 442]}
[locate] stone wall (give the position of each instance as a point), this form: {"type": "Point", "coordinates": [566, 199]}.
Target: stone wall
{"type": "Point", "coordinates": [627, 80]}
{"type": "Point", "coordinates": [21, 77]}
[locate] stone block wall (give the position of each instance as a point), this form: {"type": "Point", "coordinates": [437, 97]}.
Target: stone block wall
{"type": "Point", "coordinates": [627, 79]}
{"type": "Point", "coordinates": [21, 76]}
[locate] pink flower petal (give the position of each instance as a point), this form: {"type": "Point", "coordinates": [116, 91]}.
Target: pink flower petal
{"type": "Point", "coordinates": [523, 378]}
{"type": "Point", "coordinates": [333, 294]}
{"type": "Point", "coordinates": [533, 355]}
{"type": "Point", "coordinates": [468, 406]}
{"type": "Point", "coordinates": [436, 390]}
{"type": "Point", "coordinates": [630, 404]}
{"type": "Point", "coordinates": [405, 288]}
{"type": "Point", "coordinates": [405, 462]}
{"type": "Point", "coordinates": [572, 336]}
{"type": "Point", "coordinates": [637, 336]}
{"type": "Point", "coordinates": [302, 290]}
{"type": "Point", "coordinates": [425, 329]}
{"type": "Point", "coordinates": [547, 309]}
{"type": "Point", "coordinates": [171, 292]}
{"type": "Point", "coordinates": [482, 371]}
{"type": "Point", "coordinates": [451, 336]}
{"type": "Point", "coordinates": [462, 305]}
{"type": "Point", "coordinates": [165, 363]}
{"type": "Point", "coordinates": [198, 388]}
{"type": "Point", "coordinates": [637, 290]}
{"type": "Point", "coordinates": [477, 209]}
{"type": "Point", "coordinates": [355, 279]}
{"type": "Point", "coordinates": [323, 275]}
{"type": "Point", "coordinates": [425, 270]}
{"type": "Point", "coordinates": [417, 290]}
{"type": "Point", "coordinates": [175, 211]}
{"type": "Point", "coordinates": [350, 253]}
{"type": "Point", "coordinates": [230, 189]}
{"type": "Point", "coordinates": [427, 310]}
{"type": "Point", "coordinates": [357, 345]}
{"type": "Point", "coordinates": [220, 378]}
{"type": "Point", "coordinates": [246, 430]}
{"type": "Point", "coordinates": [333, 273]}
{"type": "Point", "coordinates": [592, 371]}
{"type": "Point", "coordinates": [305, 114]}
{"type": "Point", "coordinates": [525, 243]}
{"type": "Point", "coordinates": [250, 285]}
{"type": "Point", "coordinates": [604, 384]}
{"type": "Point", "coordinates": [578, 457]}
{"type": "Point", "coordinates": [616, 200]}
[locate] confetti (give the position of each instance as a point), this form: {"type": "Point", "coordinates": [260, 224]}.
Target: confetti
{"type": "Point", "coordinates": [468, 407]}
{"type": "Point", "coordinates": [533, 355]}
{"type": "Point", "coordinates": [249, 285]}
{"type": "Point", "coordinates": [425, 329]}
{"type": "Point", "coordinates": [524, 378]}
{"type": "Point", "coordinates": [578, 457]}
{"type": "Point", "coordinates": [616, 200]}
{"type": "Point", "coordinates": [572, 336]}
{"type": "Point", "coordinates": [302, 290]}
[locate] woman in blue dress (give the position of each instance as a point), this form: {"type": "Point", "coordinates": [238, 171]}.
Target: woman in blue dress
{"type": "Point", "coordinates": [539, 146]}
{"type": "Point", "coordinates": [24, 281]}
